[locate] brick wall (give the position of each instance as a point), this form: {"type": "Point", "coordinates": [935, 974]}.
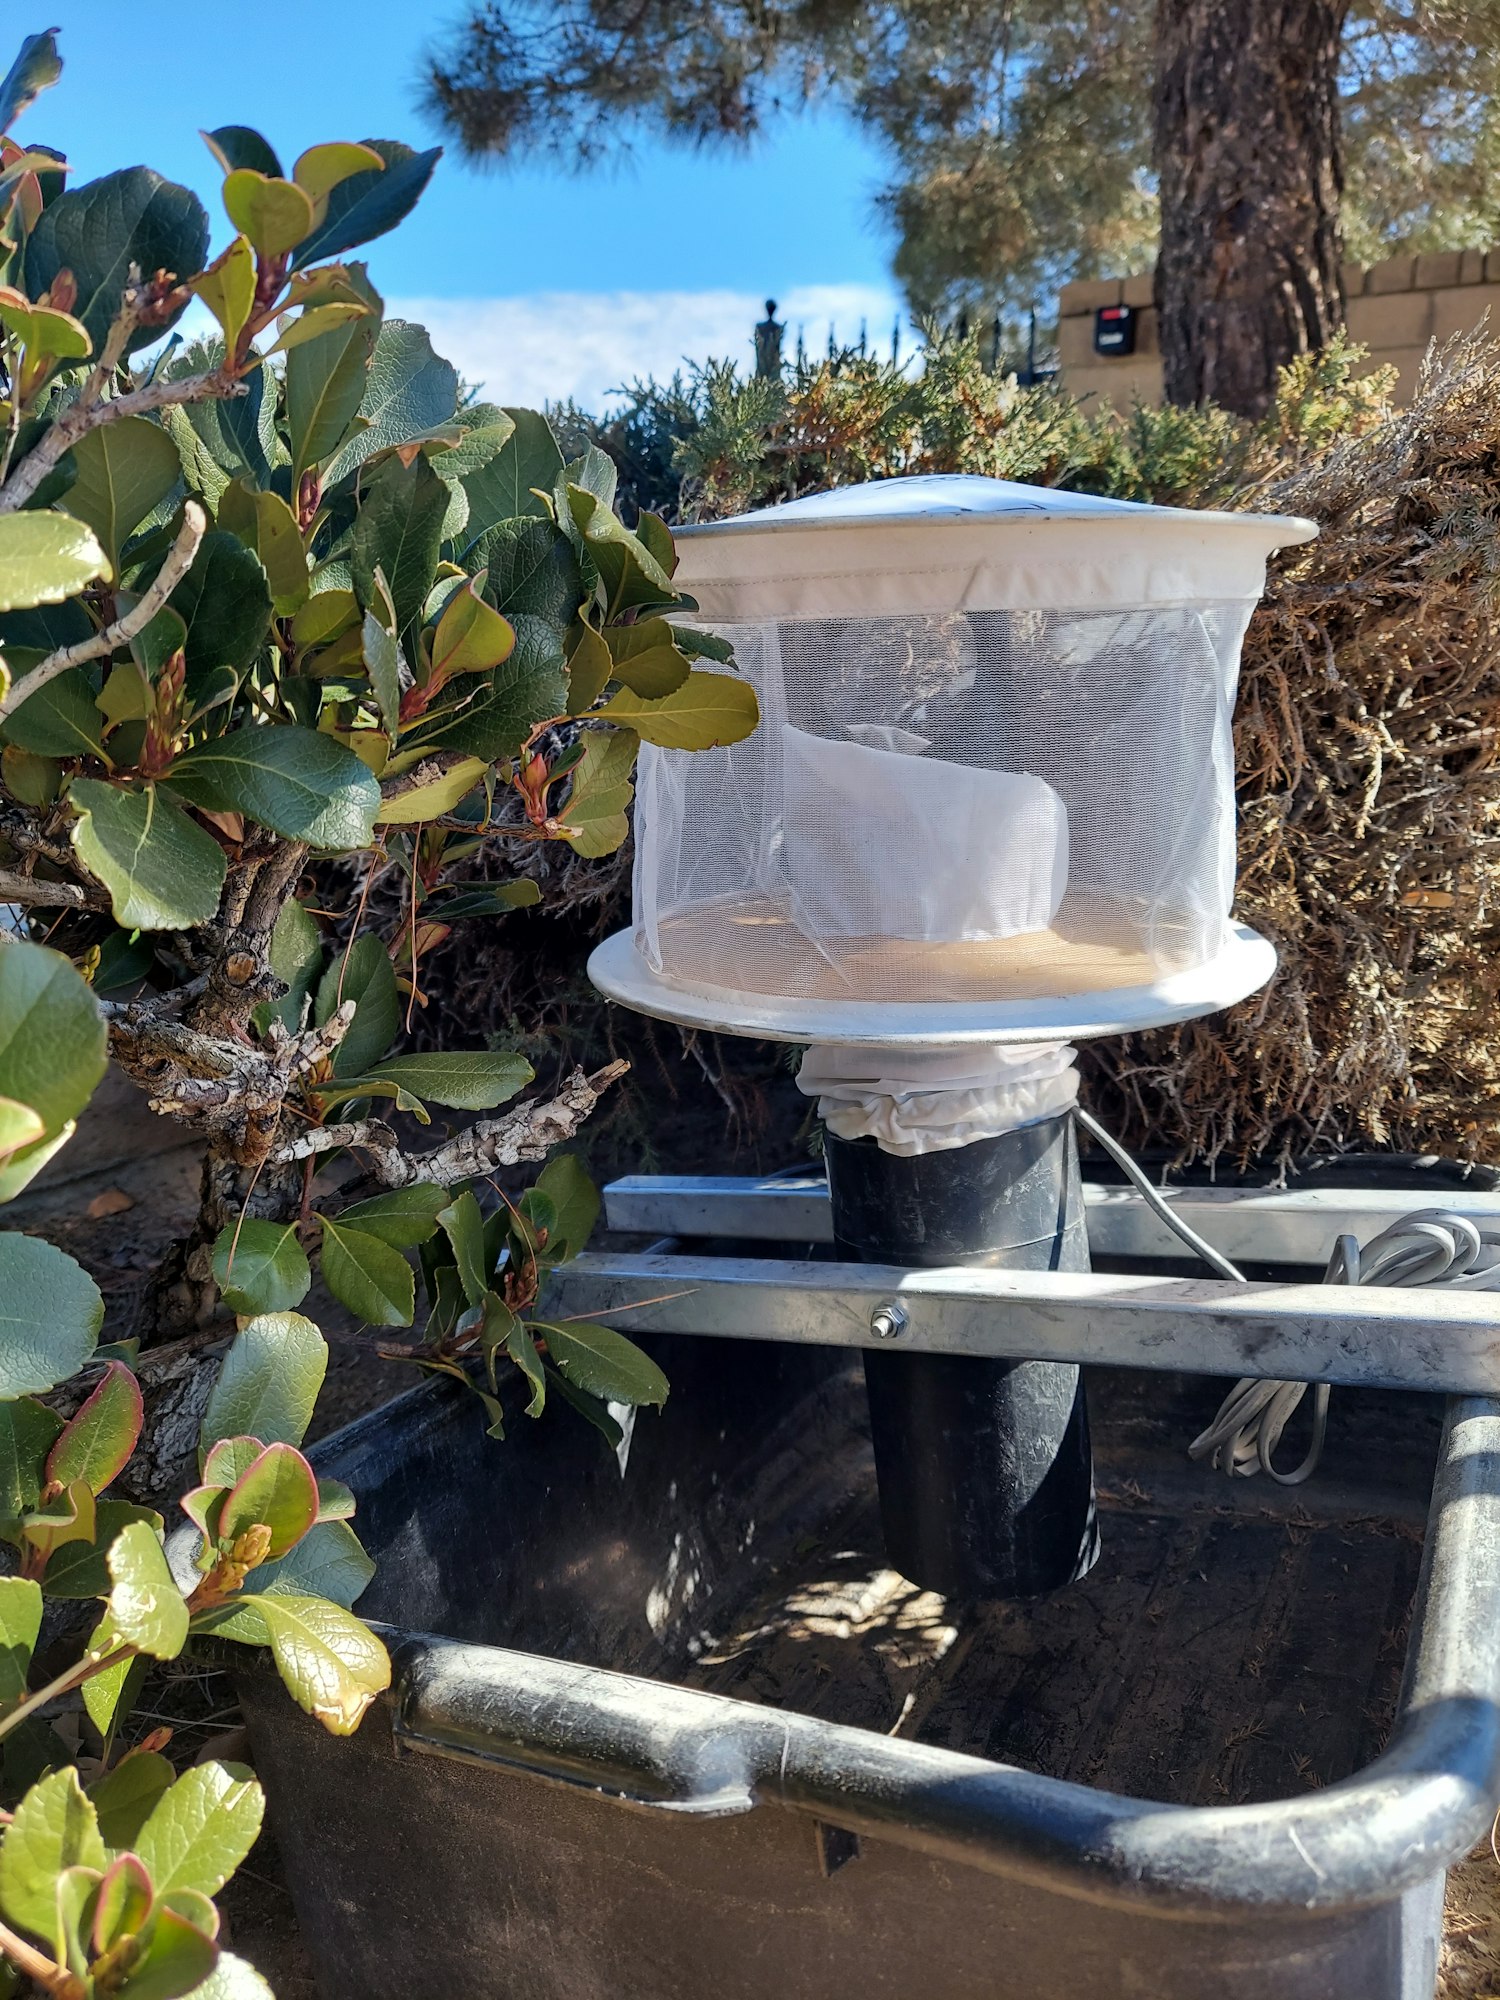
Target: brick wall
{"type": "Point", "coordinates": [1395, 309]}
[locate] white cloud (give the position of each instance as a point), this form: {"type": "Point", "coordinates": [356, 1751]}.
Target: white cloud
{"type": "Point", "coordinates": [548, 346]}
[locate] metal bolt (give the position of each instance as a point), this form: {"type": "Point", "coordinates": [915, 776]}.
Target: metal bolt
{"type": "Point", "coordinates": [888, 1320]}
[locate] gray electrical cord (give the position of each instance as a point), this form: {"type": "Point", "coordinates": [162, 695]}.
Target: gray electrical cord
{"type": "Point", "coordinates": [1431, 1246]}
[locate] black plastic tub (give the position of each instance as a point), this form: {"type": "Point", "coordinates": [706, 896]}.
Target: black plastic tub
{"type": "Point", "coordinates": [671, 1730]}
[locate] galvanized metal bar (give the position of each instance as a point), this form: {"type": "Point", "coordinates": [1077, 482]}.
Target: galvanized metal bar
{"type": "Point", "coordinates": [1373, 1336]}
{"type": "Point", "coordinates": [1256, 1225]}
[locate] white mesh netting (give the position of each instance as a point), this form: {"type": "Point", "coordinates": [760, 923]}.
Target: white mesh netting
{"type": "Point", "coordinates": [981, 805]}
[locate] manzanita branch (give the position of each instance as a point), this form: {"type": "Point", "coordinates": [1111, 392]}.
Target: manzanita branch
{"type": "Point", "coordinates": [84, 417]}
{"type": "Point", "coordinates": [527, 1133]}
{"type": "Point", "coordinates": [124, 628]}
{"type": "Point", "coordinates": [43, 1971]}
{"type": "Point", "coordinates": [32, 893]}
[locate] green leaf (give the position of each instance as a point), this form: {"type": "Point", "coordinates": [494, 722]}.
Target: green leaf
{"type": "Point", "coordinates": [521, 1348]}
{"type": "Point", "coordinates": [408, 393]}
{"type": "Point", "coordinates": [227, 288]}
{"type": "Point", "coordinates": [335, 1501]}
{"type": "Point", "coordinates": [163, 872]}
{"type": "Point", "coordinates": [365, 976]}
{"type": "Point", "coordinates": [144, 1610]}
{"type": "Point", "coordinates": [19, 1125]}
{"type": "Point", "coordinates": [296, 956]}
{"type": "Point", "coordinates": [707, 710]}
{"type": "Point", "coordinates": [325, 379]}
{"type": "Point", "coordinates": [332, 1664]}
{"type": "Point", "coordinates": [45, 558]}
{"type": "Point", "coordinates": [126, 1796]}
{"type": "Point", "coordinates": [509, 483]}
{"type": "Point", "coordinates": [431, 801]}
{"type": "Point", "coordinates": [260, 1267]}
{"type": "Point", "coordinates": [327, 1562]}
{"type": "Point", "coordinates": [265, 523]}
{"type": "Point", "coordinates": [277, 1490]}
{"type": "Point", "coordinates": [125, 470]}
{"type": "Point", "coordinates": [109, 1696]}
{"type": "Point", "coordinates": [99, 230]}
{"type": "Point", "coordinates": [27, 1431]}
{"type": "Point", "coordinates": [404, 1218]}
{"type": "Point", "coordinates": [67, 1517]}
{"type": "Point", "coordinates": [36, 67]}
{"type": "Point", "coordinates": [55, 1827]}
{"type": "Point", "coordinates": [603, 1362]}
{"type": "Point", "coordinates": [31, 781]}
{"type": "Point", "coordinates": [646, 659]}
{"type": "Point", "coordinates": [490, 899]}
{"type": "Point", "coordinates": [295, 781]}
{"type": "Point", "coordinates": [173, 1956]}
{"type": "Point", "coordinates": [382, 658]}
{"type": "Point", "coordinates": [588, 1407]}
{"type": "Point", "coordinates": [96, 1442]}
{"type": "Point", "coordinates": [202, 1829]}
{"type": "Point", "coordinates": [575, 1201]}
{"type": "Point", "coordinates": [531, 570]}
{"type": "Point", "coordinates": [630, 573]}
{"type": "Point", "coordinates": [275, 214]}
{"type": "Point", "coordinates": [471, 637]}
{"type": "Point", "coordinates": [528, 688]}
{"type": "Point", "coordinates": [366, 205]}
{"type": "Point", "coordinates": [463, 1225]}
{"type": "Point", "coordinates": [703, 645]}
{"type": "Point", "coordinates": [52, 1038]}
{"type": "Point", "coordinates": [269, 1382]}
{"type": "Point", "coordinates": [367, 1275]}
{"type": "Point", "coordinates": [122, 1899]}
{"type": "Point", "coordinates": [225, 602]}
{"type": "Point", "coordinates": [50, 1314]}
{"type": "Point", "coordinates": [61, 719]}
{"type": "Point", "coordinates": [232, 1979]}
{"type": "Point", "coordinates": [235, 146]}
{"type": "Point", "coordinates": [81, 1569]}
{"type": "Point", "coordinates": [463, 1079]}
{"type": "Point", "coordinates": [590, 668]}
{"type": "Point", "coordinates": [20, 1622]}
{"type": "Point", "coordinates": [602, 789]}
{"type": "Point", "coordinates": [399, 531]}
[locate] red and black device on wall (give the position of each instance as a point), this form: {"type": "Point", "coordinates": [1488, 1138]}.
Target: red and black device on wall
{"type": "Point", "coordinates": [1114, 330]}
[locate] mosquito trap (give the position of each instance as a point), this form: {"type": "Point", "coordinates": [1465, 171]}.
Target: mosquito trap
{"type": "Point", "coordinates": [989, 810]}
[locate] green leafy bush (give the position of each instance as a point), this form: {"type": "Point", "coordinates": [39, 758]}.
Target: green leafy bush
{"type": "Point", "coordinates": [270, 602]}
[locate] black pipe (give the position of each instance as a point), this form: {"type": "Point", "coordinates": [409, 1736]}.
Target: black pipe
{"type": "Point", "coordinates": [986, 1477]}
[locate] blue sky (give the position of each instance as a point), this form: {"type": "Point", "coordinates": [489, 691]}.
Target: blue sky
{"type": "Point", "coordinates": [538, 283]}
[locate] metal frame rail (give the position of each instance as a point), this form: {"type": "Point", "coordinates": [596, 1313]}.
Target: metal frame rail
{"type": "Point", "coordinates": [1373, 1336]}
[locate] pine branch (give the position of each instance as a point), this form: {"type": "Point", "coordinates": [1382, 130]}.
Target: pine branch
{"type": "Point", "coordinates": [179, 561]}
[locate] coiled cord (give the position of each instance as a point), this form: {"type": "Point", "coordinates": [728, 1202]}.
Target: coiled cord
{"type": "Point", "coordinates": [1431, 1246]}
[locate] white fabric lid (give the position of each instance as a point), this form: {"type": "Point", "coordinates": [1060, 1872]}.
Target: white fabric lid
{"type": "Point", "coordinates": [957, 542]}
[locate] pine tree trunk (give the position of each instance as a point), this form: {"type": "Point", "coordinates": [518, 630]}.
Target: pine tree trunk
{"type": "Point", "coordinates": [1249, 162]}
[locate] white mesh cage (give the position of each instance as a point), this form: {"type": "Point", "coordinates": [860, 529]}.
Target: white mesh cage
{"type": "Point", "coordinates": [952, 804]}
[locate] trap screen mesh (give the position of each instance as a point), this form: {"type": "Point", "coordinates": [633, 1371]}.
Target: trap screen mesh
{"type": "Point", "coordinates": [967, 806]}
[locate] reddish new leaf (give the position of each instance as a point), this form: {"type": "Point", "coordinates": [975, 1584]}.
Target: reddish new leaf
{"type": "Point", "coordinates": [278, 1492]}
{"type": "Point", "coordinates": [95, 1445]}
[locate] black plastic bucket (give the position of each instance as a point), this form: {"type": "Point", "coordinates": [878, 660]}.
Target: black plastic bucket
{"type": "Point", "coordinates": [671, 1729]}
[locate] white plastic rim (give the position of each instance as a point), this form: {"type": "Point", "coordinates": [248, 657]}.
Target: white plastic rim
{"type": "Point", "coordinates": [958, 542]}
{"type": "Point", "coordinates": [1244, 965]}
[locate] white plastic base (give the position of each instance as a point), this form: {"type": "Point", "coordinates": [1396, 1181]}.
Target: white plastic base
{"type": "Point", "coordinates": [1242, 967]}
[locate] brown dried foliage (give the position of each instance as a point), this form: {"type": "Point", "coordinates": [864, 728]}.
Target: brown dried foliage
{"type": "Point", "coordinates": [1368, 752]}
